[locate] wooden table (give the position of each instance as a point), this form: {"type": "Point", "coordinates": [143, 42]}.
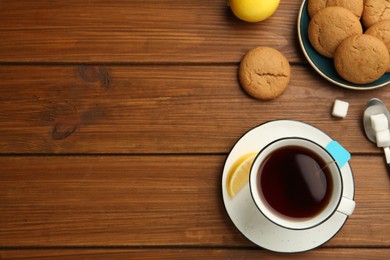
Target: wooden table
{"type": "Point", "coordinates": [117, 116]}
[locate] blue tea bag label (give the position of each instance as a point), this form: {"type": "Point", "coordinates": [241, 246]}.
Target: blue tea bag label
{"type": "Point", "coordinates": [339, 153]}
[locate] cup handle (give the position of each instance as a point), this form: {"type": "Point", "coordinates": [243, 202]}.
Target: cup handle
{"type": "Point", "coordinates": [347, 206]}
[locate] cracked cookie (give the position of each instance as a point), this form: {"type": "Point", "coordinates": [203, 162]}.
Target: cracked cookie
{"type": "Point", "coordinates": [330, 26]}
{"type": "Point", "coordinates": [361, 59]}
{"type": "Point", "coordinates": [264, 73]}
{"type": "Point", "coordinates": [355, 6]}
{"type": "Point", "coordinates": [375, 11]}
{"type": "Point", "coordinates": [381, 30]}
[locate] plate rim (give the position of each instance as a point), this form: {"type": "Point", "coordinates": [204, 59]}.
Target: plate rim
{"type": "Point", "coordinates": [319, 71]}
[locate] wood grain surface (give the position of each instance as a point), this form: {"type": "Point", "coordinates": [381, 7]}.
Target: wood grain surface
{"type": "Point", "coordinates": [116, 118]}
{"type": "Point", "coordinates": [159, 109]}
{"type": "Point", "coordinates": [204, 253]}
{"type": "Point", "coordinates": [151, 200]}
{"type": "Point", "coordinates": [137, 31]}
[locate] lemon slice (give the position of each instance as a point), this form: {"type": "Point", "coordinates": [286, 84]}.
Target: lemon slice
{"type": "Point", "coordinates": [239, 173]}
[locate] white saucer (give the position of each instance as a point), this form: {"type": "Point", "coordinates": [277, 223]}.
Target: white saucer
{"type": "Point", "coordinates": [244, 213]}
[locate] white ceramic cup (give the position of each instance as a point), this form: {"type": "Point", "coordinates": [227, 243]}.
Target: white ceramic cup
{"type": "Point", "coordinates": [336, 201]}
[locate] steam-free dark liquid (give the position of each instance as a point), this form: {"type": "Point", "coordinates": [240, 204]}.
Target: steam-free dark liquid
{"type": "Point", "coordinates": [295, 182]}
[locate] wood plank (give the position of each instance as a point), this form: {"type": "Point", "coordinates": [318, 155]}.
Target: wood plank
{"type": "Point", "coordinates": [159, 109]}
{"type": "Point", "coordinates": [91, 201]}
{"type": "Point", "coordinates": [86, 254]}
{"type": "Point", "coordinates": [101, 31]}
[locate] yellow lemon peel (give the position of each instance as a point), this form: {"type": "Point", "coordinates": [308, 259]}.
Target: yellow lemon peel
{"type": "Point", "coordinates": [238, 174]}
{"type": "Point", "coordinates": [253, 10]}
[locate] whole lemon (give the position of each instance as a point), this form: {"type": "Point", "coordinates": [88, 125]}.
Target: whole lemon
{"type": "Point", "coordinates": [253, 10]}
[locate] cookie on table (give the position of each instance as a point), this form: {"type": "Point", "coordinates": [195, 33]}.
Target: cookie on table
{"type": "Point", "coordinates": [264, 73]}
{"type": "Point", "coordinates": [361, 59]}
{"type": "Point", "coordinates": [381, 30]}
{"type": "Point", "coordinates": [330, 26]}
{"type": "Point", "coordinates": [355, 6]}
{"type": "Point", "coordinates": [375, 11]}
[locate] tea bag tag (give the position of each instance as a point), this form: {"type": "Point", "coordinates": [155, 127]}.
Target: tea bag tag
{"type": "Point", "coordinates": [339, 153]}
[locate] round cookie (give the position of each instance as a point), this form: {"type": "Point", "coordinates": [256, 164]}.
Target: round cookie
{"type": "Point", "coordinates": [264, 73]}
{"type": "Point", "coordinates": [355, 6]}
{"type": "Point", "coordinates": [381, 30]}
{"type": "Point", "coordinates": [361, 59]}
{"type": "Point", "coordinates": [330, 26]}
{"type": "Point", "coordinates": [375, 11]}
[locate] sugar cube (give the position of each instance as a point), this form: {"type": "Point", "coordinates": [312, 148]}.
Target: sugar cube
{"type": "Point", "coordinates": [383, 138]}
{"type": "Point", "coordinates": [379, 122]}
{"type": "Point", "coordinates": [340, 108]}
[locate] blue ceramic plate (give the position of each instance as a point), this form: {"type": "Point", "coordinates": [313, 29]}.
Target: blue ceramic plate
{"type": "Point", "coordinates": [324, 66]}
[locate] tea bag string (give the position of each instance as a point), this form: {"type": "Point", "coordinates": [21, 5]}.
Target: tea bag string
{"type": "Point", "coordinates": [326, 165]}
